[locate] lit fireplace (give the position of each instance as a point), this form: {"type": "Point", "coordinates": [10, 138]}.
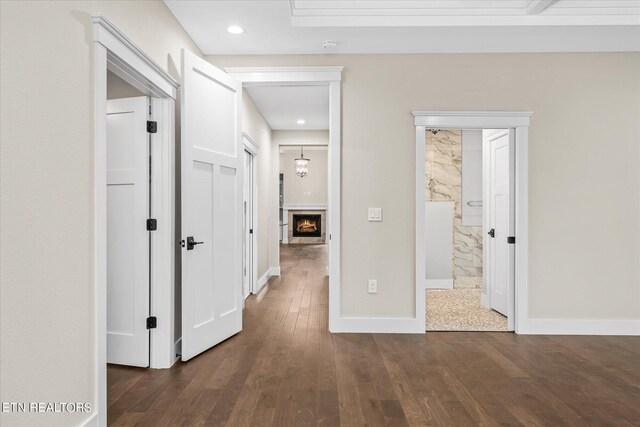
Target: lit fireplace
{"type": "Point", "coordinates": [307, 225]}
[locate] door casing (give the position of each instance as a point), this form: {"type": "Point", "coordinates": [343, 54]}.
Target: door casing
{"type": "Point", "coordinates": [332, 78]}
{"type": "Point", "coordinates": [519, 122]}
{"type": "Point", "coordinates": [253, 149]}
{"type": "Point", "coordinates": [113, 51]}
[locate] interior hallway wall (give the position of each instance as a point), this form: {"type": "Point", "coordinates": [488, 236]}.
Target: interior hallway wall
{"type": "Point", "coordinates": [254, 125]}
{"type": "Point", "coordinates": [584, 242]}
{"type": "Point", "coordinates": [118, 88]}
{"type": "Point", "coordinates": [48, 344]}
{"type": "Point", "coordinates": [308, 190]}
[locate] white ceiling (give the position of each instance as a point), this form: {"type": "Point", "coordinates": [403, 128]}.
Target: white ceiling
{"type": "Point", "coordinates": [283, 106]}
{"type": "Point", "coordinates": [415, 26]}
{"type": "Point", "coordinates": [296, 148]}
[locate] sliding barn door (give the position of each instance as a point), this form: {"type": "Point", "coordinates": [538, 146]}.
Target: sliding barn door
{"type": "Point", "coordinates": [212, 172]}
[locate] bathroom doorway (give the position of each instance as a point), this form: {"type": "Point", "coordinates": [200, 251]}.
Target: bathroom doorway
{"type": "Point", "coordinates": [469, 215]}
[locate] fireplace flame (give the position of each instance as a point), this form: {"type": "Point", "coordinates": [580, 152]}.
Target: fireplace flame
{"type": "Point", "coordinates": [307, 226]}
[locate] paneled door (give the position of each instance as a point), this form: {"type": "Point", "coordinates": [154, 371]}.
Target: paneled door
{"type": "Point", "coordinates": [501, 251]}
{"type": "Point", "coordinates": [127, 235]}
{"type": "Point", "coordinates": [212, 219]}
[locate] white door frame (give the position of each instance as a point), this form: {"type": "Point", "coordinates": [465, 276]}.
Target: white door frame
{"type": "Point", "coordinates": [316, 76]}
{"type": "Point", "coordinates": [113, 51]}
{"type": "Point", "coordinates": [253, 148]}
{"type": "Point", "coordinates": [517, 120]}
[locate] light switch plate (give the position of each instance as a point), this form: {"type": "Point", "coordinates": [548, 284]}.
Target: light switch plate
{"type": "Point", "coordinates": [375, 214]}
{"type": "Point", "coordinates": [372, 287]}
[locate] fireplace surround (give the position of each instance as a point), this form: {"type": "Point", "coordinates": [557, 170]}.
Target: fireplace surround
{"type": "Point", "coordinates": [310, 234]}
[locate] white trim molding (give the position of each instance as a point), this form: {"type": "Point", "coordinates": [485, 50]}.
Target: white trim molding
{"type": "Point", "coordinates": [264, 279]}
{"type": "Point", "coordinates": [472, 119]}
{"type": "Point", "coordinates": [92, 421]}
{"type": "Point", "coordinates": [113, 51]}
{"type": "Point", "coordinates": [332, 78]}
{"type": "Point", "coordinates": [438, 284]}
{"type": "Point", "coordinates": [580, 327]}
{"type": "Point", "coordinates": [249, 144]}
{"type": "Point", "coordinates": [264, 76]}
{"type": "Point", "coordinates": [304, 207]}
{"type": "Point", "coordinates": [518, 120]}
{"type": "Point", "coordinates": [379, 325]}
{"type": "Point", "coordinates": [127, 58]}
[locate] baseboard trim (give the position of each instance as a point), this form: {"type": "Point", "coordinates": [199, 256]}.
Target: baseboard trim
{"type": "Point", "coordinates": [262, 281]}
{"type": "Point", "coordinates": [580, 327]}
{"type": "Point", "coordinates": [378, 325]}
{"type": "Point", "coordinates": [438, 284]}
{"type": "Point", "coordinates": [92, 421]}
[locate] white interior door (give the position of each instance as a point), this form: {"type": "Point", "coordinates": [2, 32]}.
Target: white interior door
{"type": "Point", "coordinates": [247, 202]}
{"type": "Point", "coordinates": [127, 235]}
{"type": "Point", "coordinates": [501, 223]}
{"type": "Point", "coordinates": [212, 175]}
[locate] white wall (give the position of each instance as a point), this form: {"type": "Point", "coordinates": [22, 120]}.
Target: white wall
{"type": "Point", "coordinates": [47, 335]}
{"type": "Point", "coordinates": [584, 167]}
{"type": "Point", "coordinates": [254, 125]}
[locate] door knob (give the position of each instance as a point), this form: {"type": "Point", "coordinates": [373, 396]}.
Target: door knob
{"type": "Point", "coordinates": [191, 243]}
{"type": "Point", "coordinates": [492, 233]}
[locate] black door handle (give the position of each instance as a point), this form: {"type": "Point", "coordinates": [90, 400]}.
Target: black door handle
{"type": "Point", "coordinates": [492, 233]}
{"type": "Point", "coordinates": [191, 243]}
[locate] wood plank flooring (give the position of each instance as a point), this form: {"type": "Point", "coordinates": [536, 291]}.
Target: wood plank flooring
{"type": "Point", "coordinates": [285, 369]}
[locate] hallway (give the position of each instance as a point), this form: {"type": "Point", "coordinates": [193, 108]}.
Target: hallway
{"type": "Point", "coordinates": [285, 369]}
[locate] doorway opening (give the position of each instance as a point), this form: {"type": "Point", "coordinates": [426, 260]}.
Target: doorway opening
{"type": "Point", "coordinates": [291, 95]}
{"type": "Point", "coordinates": [143, 93]}
{"type": "Point", "coordinates": [511, 128]}
{"type": "Point", "coordinates": [468, 219]}
{"type": "Point", "coordinates": [250, 214]}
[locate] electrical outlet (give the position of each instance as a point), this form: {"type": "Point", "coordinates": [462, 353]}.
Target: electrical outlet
{"type": "Point", "coordinates": [374, 215]}
{"type": "Point", "coordinates": [373, 286]}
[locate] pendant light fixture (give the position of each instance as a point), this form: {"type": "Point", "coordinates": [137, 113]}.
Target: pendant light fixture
{"type": "Point", "coordinates": [301, 165]}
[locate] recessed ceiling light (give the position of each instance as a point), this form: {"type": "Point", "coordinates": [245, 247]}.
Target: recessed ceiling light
{"type": "Point", "coordinates": [235, 29]}
{"type": "Point", "coordinates": [301, 122]}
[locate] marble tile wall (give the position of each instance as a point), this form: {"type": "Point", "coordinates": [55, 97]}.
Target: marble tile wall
{"type": "Point", "coordinates": [443, 181]}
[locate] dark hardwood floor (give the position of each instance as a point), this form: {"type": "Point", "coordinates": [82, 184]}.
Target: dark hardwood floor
{"type": "Point", "coordinates": [285, 369]}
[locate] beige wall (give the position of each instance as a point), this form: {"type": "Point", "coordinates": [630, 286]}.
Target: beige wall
{"type": "Point", "coordinates": [254, 125]}
{"type": "Point", "coordinates": [46, 199]}
{"type": "Point", "coordinates": [312, 189]}
{"type": "Point", "coordinates": [584, 170]}
{"type": "Point", "coordinates": [298, 137]}
{"type": "Point", "coordinates": [118, 88]}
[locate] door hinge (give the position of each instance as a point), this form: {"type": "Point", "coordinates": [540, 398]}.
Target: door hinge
{"type": "Point", "coordinates": [152, 224]}
{"type": "Point", "coordinates": [511, 240]}
{"type": "Point", "coordinates": [251, 231]}
{"type": "Point", "coordinates": [152, 126]}
{"type": "Point", "coordinates": [152, 322]}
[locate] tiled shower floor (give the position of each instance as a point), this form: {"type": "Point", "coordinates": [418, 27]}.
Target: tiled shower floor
{"type": "Point", "coordinates": [460, 310]}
